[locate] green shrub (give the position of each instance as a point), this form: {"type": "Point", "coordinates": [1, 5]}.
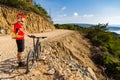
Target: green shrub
{"type": "Point", "coordinates": [66, 26]}
{"type": "Point", "coordinates": [26, 5]}
{"type": "Point", "coordinates": [111, 63]}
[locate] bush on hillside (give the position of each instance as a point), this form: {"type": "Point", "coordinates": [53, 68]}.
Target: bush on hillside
{"type": "Point", "coordinates": [26, 5]}
{"type": "Point", "coordinates": [111, 63]}
{"type": "Point", "coordinates": [65, 26]}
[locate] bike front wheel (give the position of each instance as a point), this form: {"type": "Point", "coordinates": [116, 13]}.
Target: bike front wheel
{"type": "Point", "coordinates": [30, 61]}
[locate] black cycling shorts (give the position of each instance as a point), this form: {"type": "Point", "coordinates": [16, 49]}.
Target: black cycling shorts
{"type": "Point", "coordinates": [20, 45]}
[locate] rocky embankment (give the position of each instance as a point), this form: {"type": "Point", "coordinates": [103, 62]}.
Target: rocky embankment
{"type": "Point", "coordinates": [64, 57]}
{"type": "Point", "coordinates": [34, 23]}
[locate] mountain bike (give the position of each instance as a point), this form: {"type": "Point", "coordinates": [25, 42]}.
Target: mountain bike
{"type": "Point", "coordinates": [33, 54]}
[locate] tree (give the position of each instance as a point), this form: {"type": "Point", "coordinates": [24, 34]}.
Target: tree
{"type": "Point", "coordinates": [100, 27]}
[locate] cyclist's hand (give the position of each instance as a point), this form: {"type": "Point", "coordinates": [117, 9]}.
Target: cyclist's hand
{"type": "Point", "coordinates": [31, 36]}
{"type": "Point", "coordinates": [44, 37]}
{"type": "Point", "coordinates": [28, 35]}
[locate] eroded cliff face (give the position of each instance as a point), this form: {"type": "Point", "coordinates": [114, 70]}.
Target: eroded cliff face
{"type": "Point", "coordinates": [69, 55]}
{"type": "Point", "coordinates": [34, 23]}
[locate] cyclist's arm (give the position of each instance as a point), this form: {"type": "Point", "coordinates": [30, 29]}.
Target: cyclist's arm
{"type": "Point", "coordinates": [25, 32]}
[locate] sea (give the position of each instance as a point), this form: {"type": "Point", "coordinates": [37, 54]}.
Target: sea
{"type": "Point", "coordinates": [111, 28]}
{"type": "Point", "coordinates": [115, 29]}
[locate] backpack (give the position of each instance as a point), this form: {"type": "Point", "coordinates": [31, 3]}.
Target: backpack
{"type": "Point", "coordinates": [14, 35]}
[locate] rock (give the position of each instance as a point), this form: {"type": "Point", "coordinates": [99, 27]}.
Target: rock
{"type": "Point", "coordinates": [42, 57]}
{"type": "Point", "coordinates": [51, 71]}
{"type": "Point", "coordinates": [87, 78]}
{"type": "Point", "coordinates": [72, 78]}
{"type": "Point", "coordinates": [91, 73]}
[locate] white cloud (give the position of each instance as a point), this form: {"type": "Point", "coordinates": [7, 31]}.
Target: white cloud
{"type": "Point", "coordinates": [75, 14]}
{"type": "Point", "coordinates": [87, 18]}
{"type": "Point", "coordinates": [62, 15]}
{"type": "Point", "coordinates": [111, 19]}
{"type": "Point", "coordinates": [63, 8]}
{"type": "Point", "coordinates": [88, 15]}
{"type": "Point", "coordinates": [76, 18]}
{"type": "Point", "coordinates": [65, 15]}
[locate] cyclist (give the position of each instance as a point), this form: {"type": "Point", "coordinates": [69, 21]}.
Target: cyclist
{"type": "Point", "coordinates": [20, 30]}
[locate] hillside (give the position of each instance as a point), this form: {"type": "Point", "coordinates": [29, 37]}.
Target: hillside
{"type": "Point", "coordinates": [34, 22]}
{"type": "Point", "coordinates": [27, 5]}
{"type": "Point", "coordinates": [108, 44]}
{"type": "Point", "coordinates": [66, 53]}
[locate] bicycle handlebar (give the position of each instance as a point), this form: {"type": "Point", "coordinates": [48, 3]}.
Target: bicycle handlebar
{"type": "Point", "coordinates": [33, 36]}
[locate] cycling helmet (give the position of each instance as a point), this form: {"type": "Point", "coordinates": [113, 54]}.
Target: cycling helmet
{"type": "Point", "coordinates": [21, 15]}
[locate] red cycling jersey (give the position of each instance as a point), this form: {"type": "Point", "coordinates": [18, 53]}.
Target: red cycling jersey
{"type": "Point", "coordinates": [18, 28]}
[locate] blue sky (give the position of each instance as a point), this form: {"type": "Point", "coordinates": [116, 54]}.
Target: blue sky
{"type": "Point", "coordinates": [83, 11]}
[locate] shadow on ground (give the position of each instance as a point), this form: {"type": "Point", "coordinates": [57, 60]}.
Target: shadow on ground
{"type": "Point", "coordinates": [9, 69]}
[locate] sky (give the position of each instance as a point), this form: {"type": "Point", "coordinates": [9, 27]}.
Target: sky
{"type": "Point", "coordinates": [83, 11]}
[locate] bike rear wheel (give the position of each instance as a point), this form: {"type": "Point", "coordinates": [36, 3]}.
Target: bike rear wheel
{"type": "Point", "coordinates": [30, 61]}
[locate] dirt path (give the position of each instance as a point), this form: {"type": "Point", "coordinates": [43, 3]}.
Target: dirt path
{"type": "Point", "coordinates": [8, 45]}
{"type": "Point", "coordinates": [8, 52]}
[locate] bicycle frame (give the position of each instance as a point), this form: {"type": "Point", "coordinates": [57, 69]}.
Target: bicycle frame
{"type": "Point", "coordinates": [36, 43]}
{"type": "Point", "coordinates": [34, 52]}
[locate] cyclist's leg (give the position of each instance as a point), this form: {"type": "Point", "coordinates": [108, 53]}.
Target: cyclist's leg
{"type": "Point", "coordinates": [19, 55]}
{"type": "Point", "coordinates": [20, 46]}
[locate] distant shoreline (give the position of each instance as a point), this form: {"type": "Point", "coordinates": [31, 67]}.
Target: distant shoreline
{"type": "Point", "coordinates": [114, 29]}
{"type": "Point", "coordinates": [117, 31]}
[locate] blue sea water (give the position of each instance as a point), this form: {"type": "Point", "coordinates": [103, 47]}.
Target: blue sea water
{"type": "Point", "coordinates": [118, 32]}
{"type": "Point", "coordinates": [111, 28]}
{"type": "Point", "coordinates": [114, 29]}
